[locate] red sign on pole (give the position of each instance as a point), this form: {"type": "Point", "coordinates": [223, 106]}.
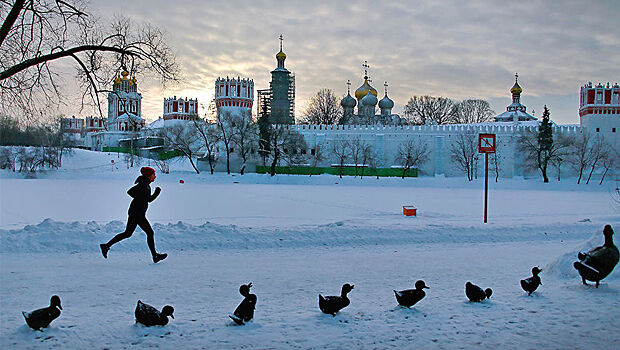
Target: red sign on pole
{"type": "Point", "coordinates": [486, 145]}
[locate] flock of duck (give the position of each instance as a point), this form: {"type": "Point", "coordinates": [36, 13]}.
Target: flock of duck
{"type": "Point", "coordinates": [593, 266]}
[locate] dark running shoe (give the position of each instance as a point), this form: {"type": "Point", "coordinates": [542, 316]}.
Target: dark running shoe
{"type": "Point", "coordinates": [104, 250]}
{"type": "Point", "coordinates": [159, 257]}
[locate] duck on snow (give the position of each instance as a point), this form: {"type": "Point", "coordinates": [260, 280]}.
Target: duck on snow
{"type": "Point", "coordinates": [245, 310]}
{"type": "Point", "coordinates": [332, 304]}
{"type": "Point", "coordinates": [410, 297]}
{"type": "Point", "coordinates": [150, 316]}
{"type": "Point", "coordinates": [531, 284]}
{"type": "Point", "coordinates": [475, 293]}
{"type": "Point", "coordinates": [600, 261]}
{"type": "Point", "coordinates": [41, 318]}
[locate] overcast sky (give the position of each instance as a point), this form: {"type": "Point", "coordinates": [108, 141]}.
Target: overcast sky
{"type": "Point", "coordinates": [457, 49]}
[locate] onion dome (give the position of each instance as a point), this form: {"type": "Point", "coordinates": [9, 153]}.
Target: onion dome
{"type": "Point", "coordinates": [370, 99]}
{"type": "Point", "coordinates": [364, 90]}
{"type": "Point", "coordinates": [280, 55]}
{"type": "Point", "coordinates": [348, 101]}
{"type": "Point", "coordinates": [516, 89]}
{"type": "Point", "coordinates": [118, 80]}
{"type": "Point", "coordinates": [124, 74]}
{"type": "Point", "coordinates": [386, 102]}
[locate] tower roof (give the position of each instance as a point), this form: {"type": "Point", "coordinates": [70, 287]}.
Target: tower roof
{"type": "Point", "coordinates": [516, 89]}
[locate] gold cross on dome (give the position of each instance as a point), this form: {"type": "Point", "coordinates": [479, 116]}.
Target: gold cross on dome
{"type": "Point", "coordinates": [386, 85]}
{"type": "Point", "coordinates": [348, 85]}
{"type": "Point", "coordinates": [365, 66]}
{"type": "Point", "coordinates": [281, 39]}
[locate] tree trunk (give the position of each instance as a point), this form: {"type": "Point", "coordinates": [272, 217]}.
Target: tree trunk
{"type": "Point", "coordinates": [273, 164]}
{"type": "Point", "coordinates": [193, 166]}
{"type": "Point", "coordinates": [591, 171]}
{"type": "Point", "coordinates": [602, 178]}
{"type": "Point", "coordinates": [544, 174]}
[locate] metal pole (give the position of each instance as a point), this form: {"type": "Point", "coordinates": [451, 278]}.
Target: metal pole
{"type": "Point", "coordinates": [486, 184]}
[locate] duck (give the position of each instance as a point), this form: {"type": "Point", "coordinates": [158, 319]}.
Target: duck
{"type": "Point", "coordinates": [41, 318]}
{"type": "Point", "coordinates": [475, 293]}
{"type": "Point", "coordinates": [531, 284]}
{"type": "Point", "coordinates": [332, 304]}
{"type": "Point", "coordinates": [245, 311]}
{"type": "Point", "coordinates": [150, 316]}
{"type": "Point", "coordinates": [410, 297]}
{"type": "Point", "coordinates": [598, 263]}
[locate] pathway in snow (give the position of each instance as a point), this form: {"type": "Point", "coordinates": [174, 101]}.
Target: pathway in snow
{"type": "Point", "coordinates": [99, 297]}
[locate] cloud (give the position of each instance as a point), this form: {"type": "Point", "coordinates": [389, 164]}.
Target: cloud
{"type": "Point", "coordinates": [452, 48]}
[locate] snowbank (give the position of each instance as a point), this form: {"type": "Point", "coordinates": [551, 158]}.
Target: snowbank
{"type": "Point", "coordinates": [61, 237]}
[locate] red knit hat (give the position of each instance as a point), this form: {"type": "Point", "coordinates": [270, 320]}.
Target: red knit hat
{"type": "Point", "coordinates": [147, 171]}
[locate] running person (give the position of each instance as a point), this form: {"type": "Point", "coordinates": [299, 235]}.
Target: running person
{"type": "Point", "coordinates": [141, 194]}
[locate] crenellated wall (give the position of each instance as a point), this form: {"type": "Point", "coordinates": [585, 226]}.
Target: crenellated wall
{"type": "Point", "coordinates": [385, 140]}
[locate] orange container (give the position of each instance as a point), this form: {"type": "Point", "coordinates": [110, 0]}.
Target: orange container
{"type": "Point", "coordinates": [409, 210]}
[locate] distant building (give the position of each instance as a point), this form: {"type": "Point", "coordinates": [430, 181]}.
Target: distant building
{"type": "Point", "coordinates": [515, 112]}
{"type": "Point", "coordinates": [72, 130]}
{"type": "Point", "coordinates": [125, 105]}
{"type": "Point", "coordinates": [179, 110]}
{"type": "Point", "coordinates": [599, 109]}
{"type": "Point", "coordinates": [366, 102]}
{"type": "Point", "coordinates": [279, 99]}
{"type": "Point", "coordinates": [234, 96]}
{"type": "Point", "coordinates": [94, 124]}
{"type": "Point", "coordinates": [124, 115]}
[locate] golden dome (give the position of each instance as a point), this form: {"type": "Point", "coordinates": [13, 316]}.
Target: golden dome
{"type": "Point", "coordinates": [118, 80]}
{"type": "Point", "coordinates": [280, 55]}
{"type": "Point", "coordinates": [363, 90]}
{"type": "Point", "coordinates": [124, 74]}
{"type": "Point", "coordinates": [516, 89]}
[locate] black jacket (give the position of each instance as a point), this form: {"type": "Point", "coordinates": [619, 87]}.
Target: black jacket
{"type": "Point", "coordinates": [141, 194]}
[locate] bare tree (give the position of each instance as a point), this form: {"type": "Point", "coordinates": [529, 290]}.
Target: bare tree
{"type": "Point", "coordinates": [474, 111]}
{"type": "Point", "coordinates": [541, 147]}
{"type": "Point", "coordinates": [37, 33]}
{"type": "Point", "coordinates": [610, 161]}
{"type": "Point", "coordinates": [226, 126]}
{"type": "Point", "coordinates": [538, 156]}
{"type": "Point", "coordinates": [245, 136]}
{"type": "Point", "coordinates": [463, 151]}
{"type": "Point", "coordinates": [357, 148]}
{"type": "Point", "coordinates": [7, 158]}
{"type": "Point", "coordinates": [209, 136]}
{"type": "Point", "coordinates": [341, 150]}
{"type": "Point", "coordinates": [412, 153]}
{"type": "Point", "coordinates": [185, 139]}
{"type": "Point", "coordinates": [284, 144]}
{"type": "Point", "coordinates": [599, 151]}
{"type": "Point", "coordinates": [427, 109]}
{"type": "Point", "coordinates": [495, 160]}
{"type": "Point", "coordinates": [581, 154]}
{"type": "Point", "coordinates": [316, 156]}
{"type": "Point", "coordinates": [162, 164]}
{"type": "Point", "coordinates": [323, 108]}
{"type": "Point", "coordinates": [368, 158]}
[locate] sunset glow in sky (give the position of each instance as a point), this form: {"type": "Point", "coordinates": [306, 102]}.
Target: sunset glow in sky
{"type": "Point", "coordinates": [454, 49]}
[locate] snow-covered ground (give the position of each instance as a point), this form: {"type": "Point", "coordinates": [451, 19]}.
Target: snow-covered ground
{"type": "Point", "coordinates": [295, 237]}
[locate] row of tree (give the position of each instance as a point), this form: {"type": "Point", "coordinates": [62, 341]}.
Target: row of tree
{"type": "Point", "coordinates": [324, 108]}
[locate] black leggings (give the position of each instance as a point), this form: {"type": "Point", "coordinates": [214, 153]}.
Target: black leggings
{"type": "Point", "coordinates": [132, 222]}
